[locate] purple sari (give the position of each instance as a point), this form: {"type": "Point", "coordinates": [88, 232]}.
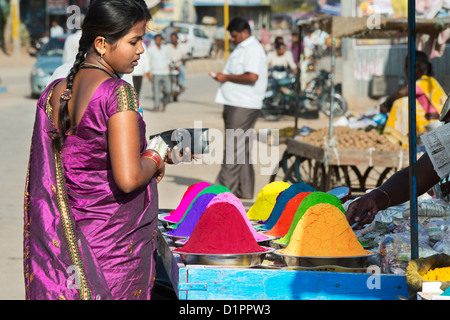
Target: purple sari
{"type": "Point", "coordinates": [83, 237]}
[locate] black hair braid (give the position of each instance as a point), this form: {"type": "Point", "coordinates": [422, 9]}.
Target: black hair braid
{"type": "Point", "coordinates": [64, 118]}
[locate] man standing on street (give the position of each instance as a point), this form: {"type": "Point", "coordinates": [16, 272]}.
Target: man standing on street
{"type": "Point", "coordinates": [160, 73]}
{"type": "Point", "coordinates": [243, 85]}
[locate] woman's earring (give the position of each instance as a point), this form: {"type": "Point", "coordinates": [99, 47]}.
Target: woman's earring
{"type": "Point", "coordinates": [102, 50]}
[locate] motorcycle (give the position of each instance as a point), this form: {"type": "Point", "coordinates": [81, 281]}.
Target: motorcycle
{"type": "Point", "coordinates": [176, 88]}
{"type": "Point", "coordinates": [280, 98]}
{"type": "Point", "coordinates": [318, 93]}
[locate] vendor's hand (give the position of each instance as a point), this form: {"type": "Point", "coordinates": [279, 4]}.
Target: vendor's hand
{"type": "Point", "coordinates": [363, 210]}
{"type": "Point", "coordinates": [175, 156]}
{"type": "Point", "coordinates": [432, 116]}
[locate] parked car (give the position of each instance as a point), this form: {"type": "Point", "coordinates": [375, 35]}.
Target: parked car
{"type": "Point", "coordinates": [193, 39]}
{"type": "Point", "coordinates": [49, 58]}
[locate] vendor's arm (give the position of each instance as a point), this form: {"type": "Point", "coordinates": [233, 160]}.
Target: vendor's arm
{"type": "Point", "coordinates": [386, 106]}
{"type": "Point", "coordinates": [245, 78]}
{"type": "Point", "coordinates": [130, 171]}
{"type": "Point", "coordinates": [393, 192]}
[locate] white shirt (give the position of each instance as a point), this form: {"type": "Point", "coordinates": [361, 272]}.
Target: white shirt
{"type": "Point", "coordinates": [176, 54]}
{"type": "Point", "coordinates": [285, 60]}
{"type": "Point", "coordinates": [248, 56]}
{"type": "Point", "coordinates": [143, 64]}
{"type": "Point", "coordinates": [159, 60]}
{"type": "Point", "coordinates": [71, 47]}
{"type": "Point", "coordinates": [56, 31]}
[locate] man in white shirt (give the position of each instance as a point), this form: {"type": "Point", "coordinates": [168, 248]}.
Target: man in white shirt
{"type": "Point", "coordinates": [141, 70]}
{"type": "Point", "coordinates": [243, 85]}
{"type": "Point", "coordinates": [159, 73]}
{"type": "Point", "coordinates": [178, 58]}
{"type": "Point", "coordinates": [56, 30]}
{"type": "Point", "coordinates": [281, 58]}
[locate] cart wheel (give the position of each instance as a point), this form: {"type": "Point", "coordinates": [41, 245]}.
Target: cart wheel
{"type": "Point", "coordinates": [312, 172]}
{"type": "Point", "coordinates": [287, 169]}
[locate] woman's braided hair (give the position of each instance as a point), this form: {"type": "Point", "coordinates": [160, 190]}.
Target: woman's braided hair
{"type": "Point", "coordinates": [111, 19]}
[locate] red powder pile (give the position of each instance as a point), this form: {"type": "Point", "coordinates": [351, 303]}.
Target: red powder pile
{"type": "Point", "coordinates": [284, 222]}
{"type": "Point", "coordinates": [221, 229]}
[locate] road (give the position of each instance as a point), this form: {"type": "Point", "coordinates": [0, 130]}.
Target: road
{"type": "Point", "coordinates": [195, 106]}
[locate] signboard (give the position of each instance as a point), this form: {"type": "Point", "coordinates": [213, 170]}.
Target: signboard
{"type": "Point", "coordinates": [247, 3]}
{"type": "Point", "coordinates": [57, 7]}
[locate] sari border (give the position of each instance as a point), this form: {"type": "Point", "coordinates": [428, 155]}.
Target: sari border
{"type": "Point", "coordinates": [69, 232]}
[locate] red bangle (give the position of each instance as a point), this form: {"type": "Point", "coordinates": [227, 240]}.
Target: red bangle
{"type": "Point", "coordinates": [151, 154]}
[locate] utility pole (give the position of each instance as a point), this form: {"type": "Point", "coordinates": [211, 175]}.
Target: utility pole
{"type": "Point", "coordinates": [225, 24]}
{"type": "Point", "coordinates": [15, 18]}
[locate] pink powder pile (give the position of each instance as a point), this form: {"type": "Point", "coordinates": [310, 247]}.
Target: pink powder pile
{"type": "Point", "coordinates": [190, 194]}
{"type": "Point", "coordinates": [229, 197]}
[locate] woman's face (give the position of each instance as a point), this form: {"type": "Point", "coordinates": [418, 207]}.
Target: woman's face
{"type": "Point", "coordinates": [123, 56]}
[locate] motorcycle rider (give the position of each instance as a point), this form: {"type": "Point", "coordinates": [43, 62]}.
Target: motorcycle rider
{"type": "Point", "coordinates": [178, 58]}
{"type": "Point", "coordinates": [281, 57]}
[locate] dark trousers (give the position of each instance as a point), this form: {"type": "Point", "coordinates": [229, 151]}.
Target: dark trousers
{"type": "Point", "coordinates": [237, 172]}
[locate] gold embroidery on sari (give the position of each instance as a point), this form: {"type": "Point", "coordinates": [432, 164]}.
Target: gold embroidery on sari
{"type": "Point", "coordinates": [69, 232]}
{"type": "Point", "coordinates": [127, 98]}
{"type": "Point", "coordinates": [137, 292]}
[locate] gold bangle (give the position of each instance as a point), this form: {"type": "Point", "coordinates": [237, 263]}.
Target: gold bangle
{"type": "Point", "coordinates": [387, 195]}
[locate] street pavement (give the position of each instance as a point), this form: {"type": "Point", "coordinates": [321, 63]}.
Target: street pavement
{"type": "Point", "coordinates": [195, 106]}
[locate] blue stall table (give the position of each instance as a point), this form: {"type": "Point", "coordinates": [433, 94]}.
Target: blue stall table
{"type": "Point", "coordinates": [207, 282]}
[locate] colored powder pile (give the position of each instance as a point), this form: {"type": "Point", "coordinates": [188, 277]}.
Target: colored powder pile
{"type": "Point", "coordinates": [312, 199]}
{"type": "Point", "coordinates": [185, 227]}
{"type": "Point", "coordinates": [265, 200]}
{"type": "Point", "coordinates": [324, 231]}
{"type": "Point", "coordinates": [221, 230]}
{"type": "Point", "coordinates": [189, 195]}
{"type": "Point", "coordinates": [284, 222]}
{"type": "Point", "coordinates": [216, 189]}
{"type": "Point", "coordinates": [282, 201]}
{"type": "Point", "coordinates": [438, 274]}
{"type": "Point", "coordinates": [229, 197]}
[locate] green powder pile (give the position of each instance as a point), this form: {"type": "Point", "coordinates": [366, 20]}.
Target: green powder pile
{"type": "Point", "coordinates": [310, 200]}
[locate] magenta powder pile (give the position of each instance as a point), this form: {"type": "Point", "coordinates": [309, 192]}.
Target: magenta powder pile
{"type": "Point", "coordinates": [221, 230]}
{"type": "Point", "coordinates": [189, 195]}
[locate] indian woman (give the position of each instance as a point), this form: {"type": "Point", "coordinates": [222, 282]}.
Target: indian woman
{"type": "Point", "coordinates": [91, 198]}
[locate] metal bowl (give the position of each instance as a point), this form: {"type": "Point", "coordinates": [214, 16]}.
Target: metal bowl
{"type": "Point", "coordinates": [277, 245]}
{"type": "Point", "coordinates": [349, 262]}
{"type": "Point", "coordinates": [174, 238]}
{"type": "Point", "coordinates": [235, 260]}
{"type": "Point", "coordinates": [162, 215]}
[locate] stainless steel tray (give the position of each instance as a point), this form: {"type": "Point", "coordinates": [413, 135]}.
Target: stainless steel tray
{"type": "Point", "coordinates": [235, 260]}
{"type": "Point", "coordinates": [349, 262]}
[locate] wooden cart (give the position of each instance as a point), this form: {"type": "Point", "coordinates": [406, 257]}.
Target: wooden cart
{"type": "Point", "coordinates": [326, 168]}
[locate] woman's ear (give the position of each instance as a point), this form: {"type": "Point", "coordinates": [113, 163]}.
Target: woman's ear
{"type": "Point", "coordinates": [100, 45]}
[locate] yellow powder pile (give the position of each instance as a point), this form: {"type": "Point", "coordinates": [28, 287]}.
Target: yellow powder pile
{"type": "Point", "coordinates": [438, 274]}
{"type": "Point", "coordinates": [323, 231]}
{"type": "Point", "coordinates": [266, 199]}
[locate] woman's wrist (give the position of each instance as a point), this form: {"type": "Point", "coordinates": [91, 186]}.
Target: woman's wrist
{"type": "Point", "coordinates": [154, 156]}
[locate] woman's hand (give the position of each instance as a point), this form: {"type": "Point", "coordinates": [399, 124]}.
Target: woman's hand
{"type": "Point", "coordinates": [160, 173]}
